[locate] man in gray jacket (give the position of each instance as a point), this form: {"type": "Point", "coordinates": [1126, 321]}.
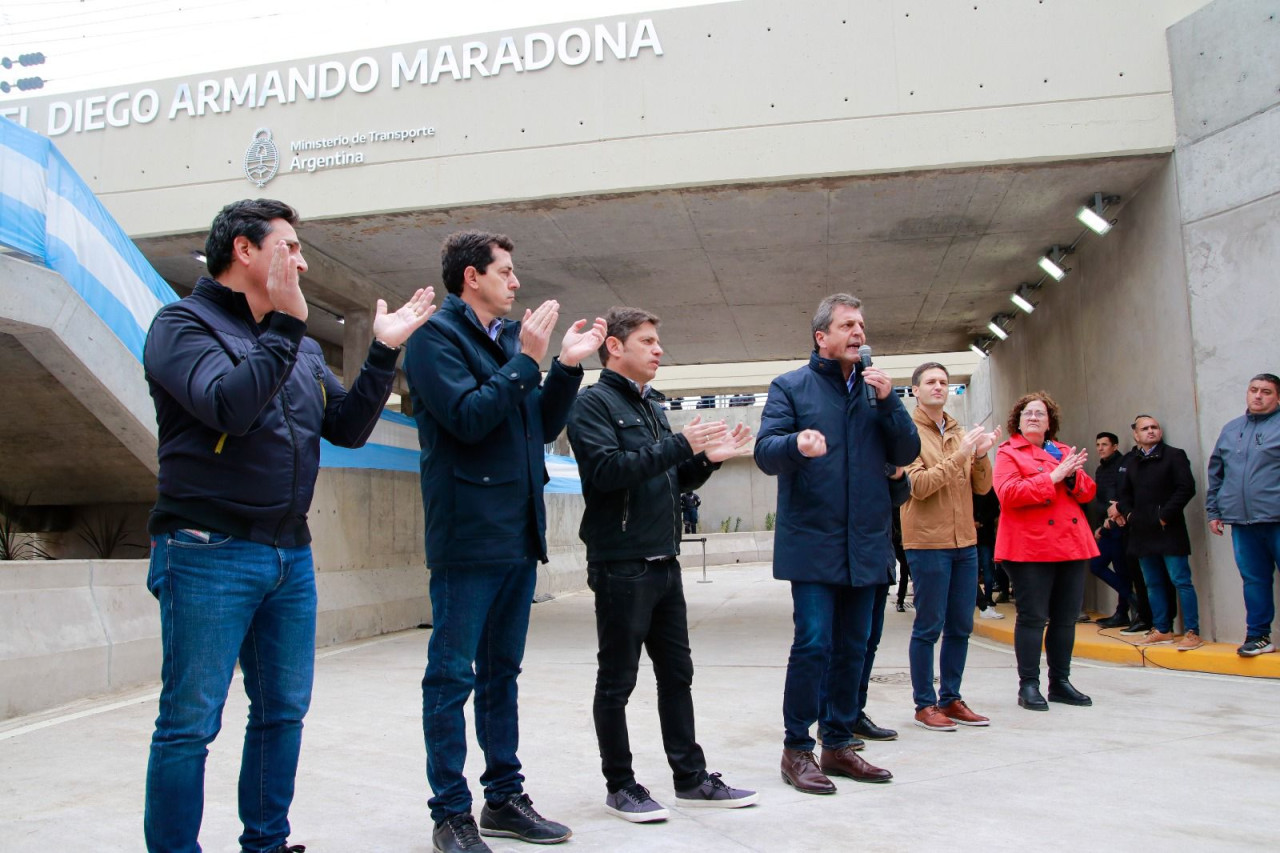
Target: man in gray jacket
{"type": "Point", "coordinates": [1244, 491]}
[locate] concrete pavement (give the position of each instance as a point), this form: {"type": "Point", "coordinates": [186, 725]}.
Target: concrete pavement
{"type": "Point", "coordinates": [1164, 760]}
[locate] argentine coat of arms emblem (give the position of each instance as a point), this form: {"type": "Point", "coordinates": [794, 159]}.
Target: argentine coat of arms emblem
{"type": "Point", "coordinates": [262, 159]}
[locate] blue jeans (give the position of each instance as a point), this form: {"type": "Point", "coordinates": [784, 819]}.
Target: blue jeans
{"type": "Point", "coordinates": [944, 580]}
{"type": "Point", "coordinates": [1257, 548]}
{"type": "Point", "coordinates": [987, 573]}
{"type": "Point", "coordinates": [824, 670]}
{"type": "Point", "coordinates": [221, 600]}
{"type": "Point", "coordinates": [1155, 570]}
{"type": "Point", "coordinates": [480, 616]}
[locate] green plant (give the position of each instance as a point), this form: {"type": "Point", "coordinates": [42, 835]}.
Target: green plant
{"type": "Point", "coordinates": [770, 519]}
{"type": "Point", "coordinates": [737, 524]}
{"type": "Point", "coordinates": [17, 544]}
{"type": "Point", "coordinates": [724, 525]}
{"type": "Point", "coordinates": [106, 534]}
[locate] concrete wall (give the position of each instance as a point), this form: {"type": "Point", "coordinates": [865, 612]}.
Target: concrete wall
{"type": "Point", "coordinates": [1175, 309]}
{"type": "Point", "coordinates": [1227, 106]}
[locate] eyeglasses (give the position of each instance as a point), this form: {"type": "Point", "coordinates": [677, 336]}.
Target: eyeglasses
{"type": "Point", "coordinates": [1031, 414]}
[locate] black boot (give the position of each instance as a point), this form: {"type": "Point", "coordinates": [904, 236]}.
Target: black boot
{"type": "Point", "coordinates": [1062, 691]}
{"type": "Point", "coordinates": [1029, 696]}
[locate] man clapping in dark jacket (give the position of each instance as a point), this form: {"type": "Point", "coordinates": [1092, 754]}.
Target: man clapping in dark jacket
{"type": "Point", "coordinates": [633, 469]}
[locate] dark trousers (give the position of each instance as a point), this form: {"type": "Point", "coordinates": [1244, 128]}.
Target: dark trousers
{"type": "Point", "coordinates": [904, 571]}
{"type": "Point", "coordinates": [824, 670]}
{"type": "Point", "coordinates": [873, 643]}
{"type": "Point", "coordinates": [1111, 567]}
{"type": "Point", "coordinates": [1049, 593]}
{"type": "Point", "coordinates": [641, 603]}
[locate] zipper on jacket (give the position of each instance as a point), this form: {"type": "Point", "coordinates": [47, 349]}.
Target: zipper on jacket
{"type": "Point", "coordinates": [324, 394]}
{"type": "Point", "coordinates": [222, 440]}
{"type": "Point", "coordinates": [626, 509]}
{"type": "Point", "coordinates": [293, 441]}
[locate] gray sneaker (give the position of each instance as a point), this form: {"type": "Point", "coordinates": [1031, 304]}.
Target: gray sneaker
{"type": "Point", "coordinates": [633, 803]}
{"type": "Point", "coordinates": [713, 793]}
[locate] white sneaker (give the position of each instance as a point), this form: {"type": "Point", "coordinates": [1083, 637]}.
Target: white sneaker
{"type": "Point", "coordinates": [991, 613]}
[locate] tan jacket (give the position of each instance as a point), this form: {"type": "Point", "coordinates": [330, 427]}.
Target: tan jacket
{"type": "Point", "coordinates": [944, 480]}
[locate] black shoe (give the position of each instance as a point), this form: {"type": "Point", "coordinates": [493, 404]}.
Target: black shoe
{"type": "Point", "coordinates": [457, 834]}
{"type": "Point", "coordinates": [1029, 697]}
{"type": "Point", "coordinates": [864, 728]}
{"type": "Point", "coordinates": [1062, 691]}
{"type": "Point", "coordinates": [1137, 626]}
{"type": "Point", "coordinates": [1119, 620]}
{"type": "Point", "coordinates": [515, 817]}
{"type": "Point", "coordinates": [289, 848]}
{"type": "Point", "coordinates": [901, 607]}
{"type": "Point", "coordinates": [1083, 617]}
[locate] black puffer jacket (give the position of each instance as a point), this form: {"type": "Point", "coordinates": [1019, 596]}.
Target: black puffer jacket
{"type": "Point", "coordinates": [633, 470]}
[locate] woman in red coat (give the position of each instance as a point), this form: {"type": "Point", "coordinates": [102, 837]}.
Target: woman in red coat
{"type": "Point", "coordinates": [1045, 544]}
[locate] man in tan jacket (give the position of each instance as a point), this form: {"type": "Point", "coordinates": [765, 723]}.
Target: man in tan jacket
{"type": "Point", "coordinates": [939, 537]}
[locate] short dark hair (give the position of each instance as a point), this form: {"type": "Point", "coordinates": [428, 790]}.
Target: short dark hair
{"type": "Point", "coordinates": [822, 317]}
{"type": "Point", "coordinates": [1267, 377]}
{"type": "Point", "coordinates": [463, 249]}
{"type": "Point", "coordinates": [245, 218]}
{"type": "Point", "coordinates": [621, 322]}
{"type": "Point", "coordinates": [1137, 418]}
{"type": "Point", "coordinates": [1015, 416]}
{"type": "Point", "coordinates": [928, 365]}
{"type": "Point", "coordinates": [1110, 436]}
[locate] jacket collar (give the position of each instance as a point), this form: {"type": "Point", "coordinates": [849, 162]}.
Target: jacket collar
{"type": "Point", "coordinates": [616, 380]}
{"type": "Point", "coordinates": [1156, 452]}
{"type": "Point", "coordinates": [1018, 441]}
{"type": "Point", "coordinates": [1250, 416]}
{"type": "Point", "coordinates": [921, 418]}
{"type": "Point", "coordinates": [231, 301]}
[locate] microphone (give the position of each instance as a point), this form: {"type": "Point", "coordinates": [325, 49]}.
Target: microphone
{"type": "Point", "coordinates": [864, 353]}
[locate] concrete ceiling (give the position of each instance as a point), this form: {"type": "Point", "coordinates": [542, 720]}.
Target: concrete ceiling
{"type": "Point", "coordinates": [736, 271]}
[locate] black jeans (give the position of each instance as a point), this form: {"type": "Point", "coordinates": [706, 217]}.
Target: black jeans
{"type": "Point", "coordinates": [873, 643]}
{"type": "Point", "coordinates": [641, 603]}
{"type": "Point", "coordinates": [1047, 593]}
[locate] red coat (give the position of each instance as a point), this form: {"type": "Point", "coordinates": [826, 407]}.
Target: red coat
{"type": "Point", "coordinates": [1040, 521]}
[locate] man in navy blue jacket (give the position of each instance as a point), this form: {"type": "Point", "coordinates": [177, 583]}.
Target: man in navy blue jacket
{"type": "Point", "coordinates": [829, 430]}
{"type": "Point", "coordinates": [242, 400]}
{"type": "Point", "coordinates": [484, 413]}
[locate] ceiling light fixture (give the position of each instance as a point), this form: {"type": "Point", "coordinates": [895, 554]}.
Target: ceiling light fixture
{"type": "Point", "coordinates": [997, 326]}
{"type": "Point", "coordinates": [1051, 263]}
{"type": "Point", "coordinates": [199, 256]}
{"type": "Point", "coordinates": [1020, 299]}
{"type": "Point", "coordinates": [977, 348]}
{"type": "Point", "coordinates": [1091, 214]}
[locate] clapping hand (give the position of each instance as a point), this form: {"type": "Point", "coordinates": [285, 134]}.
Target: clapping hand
{"type": "Point", "coordinates": [578, 344]}
{"type": "Point", "coordinates": [394, 328]}
{"type": "Point", "coordinates": [282, 283]}
{"type": "Point", "coordinates": [702, 436]}
{"type": "Point", "coordinates": [536, 328]}
{"type": "Point", "coordinates": [1072, 462]}
{"type": "Point", "coordinates": [731, 445]}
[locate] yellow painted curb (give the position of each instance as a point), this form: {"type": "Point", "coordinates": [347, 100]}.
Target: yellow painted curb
{"type": "Point", "coordinates": [1106, 644]}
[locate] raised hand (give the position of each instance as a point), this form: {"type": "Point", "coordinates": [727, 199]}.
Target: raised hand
{"type": "Point", "coordinates": [731, 445]}
{"type": "Point", "coordinates": [1071, 462]}
{"type": "Point", "coordinates": [702, 436]}
{"type": "Point", "coordinates": [969, 442]}
{"type": "Point", "coordinates": [536, 328]}
{"type": "Point", "coordinates": [282, 283]}
{"type": "Point", "coordinates": [394, 328]}
{"type": "Point", "coordinates": [986, 441]}
{"type": "Point", "coordinates": [811, 443]}
{"type": "Point", "coordinates": [578, 344]}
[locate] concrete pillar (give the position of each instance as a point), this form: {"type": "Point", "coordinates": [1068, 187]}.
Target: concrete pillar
{"type": "Point", "coordinates": [357, 334]}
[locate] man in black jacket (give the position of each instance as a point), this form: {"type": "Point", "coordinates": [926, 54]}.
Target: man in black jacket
{"type": "Point", "coordinates": [1156, 488]}
{"type": "Point", "coordinates": [633, 469]}
{"type": "Point", "coordinates": [484, 413]}
{"type": "Point", "coordinates": [1112, 565]}
{"type": "Point", "coordinates": [242, 400]}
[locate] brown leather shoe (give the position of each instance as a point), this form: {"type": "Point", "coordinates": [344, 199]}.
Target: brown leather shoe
{"type": "Point", "coordinates": [934, 720]}
{"type": "Point", "coordinates": [845, 762]}
{"type": "Point", "coordinates": [957, 711]}
{"type": "Point", "coordinates": [800, 771]}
